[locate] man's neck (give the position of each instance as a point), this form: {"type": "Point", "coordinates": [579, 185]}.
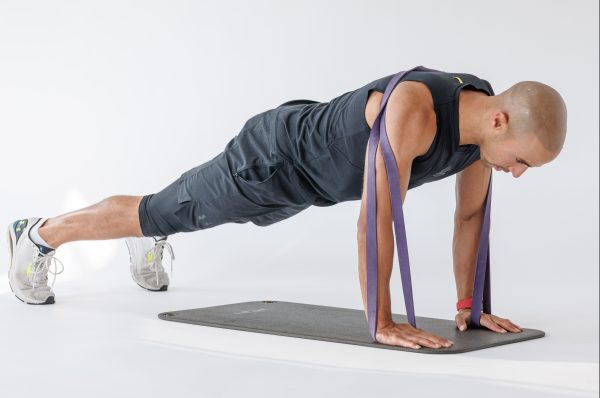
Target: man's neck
{"type": "Point", "coordinates": [472, 109]}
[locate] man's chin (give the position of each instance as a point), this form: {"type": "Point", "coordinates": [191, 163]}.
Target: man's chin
{"type": "Point", "coordinates": [487, 164]}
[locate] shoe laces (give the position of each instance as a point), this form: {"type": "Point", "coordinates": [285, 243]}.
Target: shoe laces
{"type": "Point", "coordinates": [157, 255]}
{"type": "Point", "coordinates": [42, 263]}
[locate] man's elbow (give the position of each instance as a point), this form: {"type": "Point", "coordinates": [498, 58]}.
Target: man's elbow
{"type": "Point", "coordinates": [361, 227]}
{"type": "Point", "coordinates": [462, 217]}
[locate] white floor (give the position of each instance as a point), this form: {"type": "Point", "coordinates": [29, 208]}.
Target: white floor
{"type": "Point", "coordinates": [103, 338]}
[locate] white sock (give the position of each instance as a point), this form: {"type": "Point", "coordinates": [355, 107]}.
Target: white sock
{"type": "Point", "coordinates": [35, 235]}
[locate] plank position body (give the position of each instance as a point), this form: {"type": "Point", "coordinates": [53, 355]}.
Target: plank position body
{"type": "Point", "coordinates": [304, 153]}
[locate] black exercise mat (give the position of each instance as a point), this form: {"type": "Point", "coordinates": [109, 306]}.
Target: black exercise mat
{"type": "Point", "coordinates": [340, 325]}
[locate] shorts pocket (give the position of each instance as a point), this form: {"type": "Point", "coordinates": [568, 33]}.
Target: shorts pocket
{"type": "Point", "coordinates": [264, 185]}
{"type": "Point", "coordinates": [182, 193]}
{"type": "Point", "coordinates": [257, 174]}
{"type": "Point", "coordinates": [185, 211]}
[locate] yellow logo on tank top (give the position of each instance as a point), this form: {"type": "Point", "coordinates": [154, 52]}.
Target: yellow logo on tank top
{"type": "Point", "coordinates": [458, 78]}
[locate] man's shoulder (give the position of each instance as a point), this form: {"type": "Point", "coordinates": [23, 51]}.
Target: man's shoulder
{"type": "Point", "coordinates": [410, 115]}
{"type": "Point", "coordinates": [412, 95]}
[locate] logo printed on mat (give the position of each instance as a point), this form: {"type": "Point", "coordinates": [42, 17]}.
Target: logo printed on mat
{"type": "Point", "coordinates": [249, 311]}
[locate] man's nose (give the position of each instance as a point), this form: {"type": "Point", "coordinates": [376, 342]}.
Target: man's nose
{"type": "Point", "coordinates": [517, 171]}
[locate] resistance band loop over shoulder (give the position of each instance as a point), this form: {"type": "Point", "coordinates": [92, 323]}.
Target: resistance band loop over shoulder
{"type": "Point", "coordinates": [482, 274]}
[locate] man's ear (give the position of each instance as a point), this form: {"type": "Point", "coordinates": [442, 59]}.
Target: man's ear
{"type": "Point", "coordinates": [500, 120]}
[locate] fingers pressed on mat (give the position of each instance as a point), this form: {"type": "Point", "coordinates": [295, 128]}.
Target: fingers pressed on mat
{"type": "Point", "coordinates": [424, 342]}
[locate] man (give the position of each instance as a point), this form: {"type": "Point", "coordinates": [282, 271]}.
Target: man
{"type": "Point", "coordinates": [305, 153]}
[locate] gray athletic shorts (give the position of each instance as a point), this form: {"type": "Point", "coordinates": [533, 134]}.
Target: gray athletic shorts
{"type": "Point", "coordinates": [248, 181]}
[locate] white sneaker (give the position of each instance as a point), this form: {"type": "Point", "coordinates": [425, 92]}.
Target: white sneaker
{"type": "Point", "coordinates": [29, 264]}
{"type": "Point", "coordinates": [145, 261]}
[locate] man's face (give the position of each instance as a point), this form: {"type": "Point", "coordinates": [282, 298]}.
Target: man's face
{"type": "Point", "coordinates": [514, 153]}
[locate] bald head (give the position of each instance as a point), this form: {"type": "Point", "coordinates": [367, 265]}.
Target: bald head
{"type": "Point", "coordinates": [537, 108]}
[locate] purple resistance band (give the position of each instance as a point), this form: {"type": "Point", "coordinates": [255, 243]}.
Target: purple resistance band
{"type": "Point", "coordinates": [482, 273]}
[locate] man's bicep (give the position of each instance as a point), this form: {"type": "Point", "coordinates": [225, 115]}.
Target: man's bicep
{"type": "Point", "coordinates": [471, 188]}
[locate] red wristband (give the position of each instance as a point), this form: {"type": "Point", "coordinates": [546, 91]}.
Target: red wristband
{"type": "Point", "coordinates": [464, 303]}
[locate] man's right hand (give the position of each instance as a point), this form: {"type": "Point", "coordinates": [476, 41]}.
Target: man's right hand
{"type": "Point", "coordinates": [406, 335]}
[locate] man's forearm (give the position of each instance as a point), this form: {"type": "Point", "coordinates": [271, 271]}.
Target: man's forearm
{"type": "Point", "coordinates": [385, 256]}
{"type": "Point", "coordinates": [464, 252]}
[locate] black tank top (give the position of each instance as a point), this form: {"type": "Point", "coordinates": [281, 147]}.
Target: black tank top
{"type": "Point", "coordinates": [328, 140]}
{"type": "Point", "coordinates": [445, 156]}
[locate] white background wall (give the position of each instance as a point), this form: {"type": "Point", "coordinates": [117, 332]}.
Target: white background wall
{"type": "Point", "coordinates": [121, 97]}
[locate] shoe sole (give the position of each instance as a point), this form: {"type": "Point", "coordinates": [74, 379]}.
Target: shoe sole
{"type": "Point", "coordinates": [49, 300]}
{"type": "Point", "coordinates": [163, 288]}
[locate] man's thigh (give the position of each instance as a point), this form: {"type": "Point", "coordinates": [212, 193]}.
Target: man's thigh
{"type": "Point", "coordinates": [224, 190]}
{"type": "Point", "coordinates": [212, 194]}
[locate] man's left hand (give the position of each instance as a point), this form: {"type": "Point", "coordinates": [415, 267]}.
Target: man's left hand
{"type": "Point", "coordinates": [490, 321]}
